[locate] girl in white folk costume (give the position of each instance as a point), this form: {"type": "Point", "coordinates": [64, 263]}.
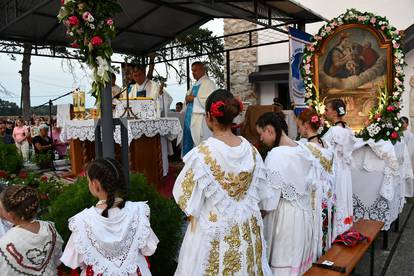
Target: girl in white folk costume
{"type": "Point", "coordinates": [341, 138]}
{"type": "Point", "coordinates": [322, 177]}
{"type": "Point", "coordinates": [289, 229]}
{"type": "Point", "coordinates": [220, 189]}
{"type": "Point", "coordinates": [31, 247]}
{"type": "Point", "coordinates": [112, 237]}
{"type": "Point", "coordinates": [5, 225]}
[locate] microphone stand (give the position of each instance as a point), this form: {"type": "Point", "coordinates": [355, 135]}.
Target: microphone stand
{"type": "Point", "coordinates": [128, 110]}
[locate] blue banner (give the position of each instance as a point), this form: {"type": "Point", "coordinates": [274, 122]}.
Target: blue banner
{"type": "Point", "coordinates": [298, 40]}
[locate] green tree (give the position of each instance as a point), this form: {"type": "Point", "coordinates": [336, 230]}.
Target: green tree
{"type": "Point", "coordinates": [9, 108]}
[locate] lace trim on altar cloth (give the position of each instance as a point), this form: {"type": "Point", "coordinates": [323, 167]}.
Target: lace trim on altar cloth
{"type": "Point", "coordinates": [85, 130]}
{"type": "Point", "coordinates": [381, 210]}
{"type": "Point", "coordinates": [118, 258]}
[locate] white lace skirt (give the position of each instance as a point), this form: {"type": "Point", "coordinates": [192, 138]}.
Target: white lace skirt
{"type": "Point", "coordinates": [288, 233]}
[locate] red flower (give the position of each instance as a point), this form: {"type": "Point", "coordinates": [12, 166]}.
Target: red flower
{"type": "Point", "coordinates": [217, 109]}
{"type": "Point", "coordinates": [394, 135]}
{"type": "Point", "coordinates": [3, 174]}
{"type": "Point", "coordinates": [62, 2]}
{"type": "Point", "coordinates": [96, 41]}
{"type": "Point", "coordinates": [348, 220]}
{"type": "Point", "coordinates": [44, 178]}
{"type": "Point", "coordinates": [23, 175]}
{"type": "Point", "coordinates": [390, 108]}
{"type": "Point", "coordinates": [377, 117]}
{"type": "Point", "coordinates": [74, 45]}
{"type": "Point", "coordinates": [73, 20]}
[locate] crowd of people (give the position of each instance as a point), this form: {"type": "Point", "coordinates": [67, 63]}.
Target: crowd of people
{"type": "Point", "coordinates": [32, 137]}
{"type": "Point", "coordinates": [247, 216]}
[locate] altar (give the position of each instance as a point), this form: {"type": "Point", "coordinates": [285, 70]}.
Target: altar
{"type": "Point", "coordinates": [376, 183]}
{"type": "Point", "coordinates": [147, 140]}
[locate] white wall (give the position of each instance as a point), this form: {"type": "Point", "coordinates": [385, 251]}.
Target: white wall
{"type": "Point", "coordinates": [271, 54]}
{"type": "Point", "coordinates": [267, 91]}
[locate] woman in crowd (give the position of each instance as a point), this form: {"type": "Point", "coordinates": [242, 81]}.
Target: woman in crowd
{"type": "Point", "coordinates": [20, 136]}
{"type": "Point", "coordinates": [288, 229]}
{"type": "Point", "coordinates": [220, 189]}
{"type": "Point", "coordinates": [322, 175]}
{"type": "Point", "coordinates": [31, 247]}
{"type": "Point", "coordinates": [112, 237]}
{"type": "Point", "coordinates": [341, 138]}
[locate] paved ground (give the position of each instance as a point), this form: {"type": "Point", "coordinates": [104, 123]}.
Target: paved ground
{"type": "Point", "coordinates": [398, 259]}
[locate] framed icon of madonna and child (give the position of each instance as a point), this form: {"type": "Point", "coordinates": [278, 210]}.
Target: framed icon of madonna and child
{"type": "Point", "coordinates": [352, 64]}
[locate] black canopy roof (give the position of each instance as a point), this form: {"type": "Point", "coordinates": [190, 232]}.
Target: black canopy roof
{"type": "Point", "coordinates": [144, 25]}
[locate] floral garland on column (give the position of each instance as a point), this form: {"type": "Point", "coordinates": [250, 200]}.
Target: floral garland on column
{"type": "Point", "coordinates": [91, 28]}
{"type": "Point", "coordinates": [383, 122]}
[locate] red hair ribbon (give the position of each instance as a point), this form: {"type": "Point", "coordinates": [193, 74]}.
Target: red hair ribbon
{"type": "Point", "coordinates": [216, 109]}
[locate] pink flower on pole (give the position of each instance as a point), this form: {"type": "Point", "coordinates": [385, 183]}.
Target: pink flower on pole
{"type": "Point", "coordinates": [109, 22]}
{"type": "Point", "coordinates": [73, 20]}
{"type": "Point", "coordinates": [394, 135]}
{"type": "Point", "coordinates": [96, 41]}
{"type": "Point", "coordinates": [390, 108]}
{"type": "Point", "coordinates": [373, 20]}
{"type": "Point", "coordinates": [87, 16]}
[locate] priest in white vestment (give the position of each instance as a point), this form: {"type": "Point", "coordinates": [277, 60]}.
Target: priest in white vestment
{"type": "Point", "coordinates": [195, 128]}
{"type": "Point", "coordinates": [144, 87]}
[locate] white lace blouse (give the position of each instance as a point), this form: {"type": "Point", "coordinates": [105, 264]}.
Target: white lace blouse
{"type": "Point", "coordinates": [112, 246]}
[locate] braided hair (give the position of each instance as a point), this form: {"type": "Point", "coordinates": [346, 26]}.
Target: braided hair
{"type": "Point", "coordinates": [108, 172]}
{"type": "Point", "coordinates": [21, 200]}
{"type": "Point", "coordinates": [277, 121]}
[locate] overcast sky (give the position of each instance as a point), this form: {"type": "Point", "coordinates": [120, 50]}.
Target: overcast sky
{"type": "Point", "coordinates": [49, 79]}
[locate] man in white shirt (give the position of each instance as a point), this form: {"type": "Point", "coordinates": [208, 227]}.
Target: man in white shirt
{"type": "Point", "coordinates": [195, 127]}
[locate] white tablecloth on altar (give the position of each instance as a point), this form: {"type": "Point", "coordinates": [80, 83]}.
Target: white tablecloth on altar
{"type": "Point", "coordinates": [167, 128]}
{"type": "Point", "coordinates": [376, 185]}
{"type": "Point", "coordinates": [143, 109]}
